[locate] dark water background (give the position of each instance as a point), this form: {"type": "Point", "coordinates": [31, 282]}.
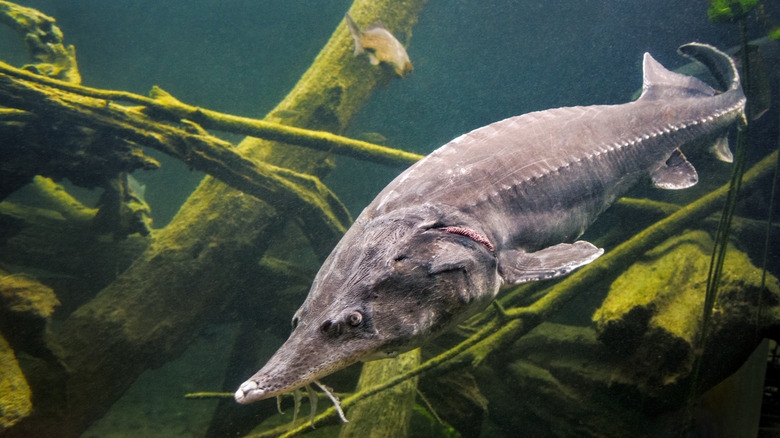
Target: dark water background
{"type": "Point", "coordinates": [475, 62]}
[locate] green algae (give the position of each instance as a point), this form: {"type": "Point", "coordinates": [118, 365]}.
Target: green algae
{"type": "Point", "coordinates": [15, 394]}
{"type": "Point", "coordinates": [722, 11]}
{"type": "Point", "coordinates": [653, 309]}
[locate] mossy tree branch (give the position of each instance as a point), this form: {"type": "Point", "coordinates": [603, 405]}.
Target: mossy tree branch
{"type": "Point", "coordinates": [197, 149]}
{"type": "Point", "coordinates": [163, 106]}
{"type": "Point", "coordinates": [207, 256]}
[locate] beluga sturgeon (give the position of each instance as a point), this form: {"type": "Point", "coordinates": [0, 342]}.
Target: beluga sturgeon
{"type": "Point", "coordinates": [500, 205]}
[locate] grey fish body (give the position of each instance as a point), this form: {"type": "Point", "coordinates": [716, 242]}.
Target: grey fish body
{"type": "Point", "coordinates": [546, 185]}
{"type": "Point", "coordinates": [496, 206]}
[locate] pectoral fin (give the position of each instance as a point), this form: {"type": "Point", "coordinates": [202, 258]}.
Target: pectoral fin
{"type": "Point", "coordinates": [516, 266]}
{"type": "Point", "coordinates": [676, 173]}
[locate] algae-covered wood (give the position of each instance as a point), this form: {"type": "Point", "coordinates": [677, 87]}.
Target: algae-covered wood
{"type": "Point", "coordinates": [194, 268]}
{"type": "Point", "coordinates": [16, 398]}
{"type": "Point", "coordinates": [371, 417]}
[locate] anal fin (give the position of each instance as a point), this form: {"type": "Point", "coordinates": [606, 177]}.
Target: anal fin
{"type": "Point", "coordinates": [518, 266]}
{"type": "Point", "coordinates": [677, 173]}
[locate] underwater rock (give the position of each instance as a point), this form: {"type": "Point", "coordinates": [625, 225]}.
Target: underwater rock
{"type": "Point", "coordinates": [632, 374]}
{"type": "Point", "coordinates": [652, 315]}
{"type": "Point", "coordinates": [15, 401]}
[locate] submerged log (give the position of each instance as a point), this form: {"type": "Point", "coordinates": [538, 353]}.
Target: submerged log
{"type": "Point", "coordinates": [59, 246]}
{"type": "Point", "coordinates": [389, 412]}
{"type": "Point", "coordinates": [54, 197]}
{"type": "Point", "coordinates": [455, 400]}
{"type": "Point", "coordinates": [43, 40]}
{"type": "Point", "coordinates": [196, 265]}
{"type": "Point", "coordinates": [652, 316]}
{"type": "Point", "coordinates": [121, 126]}
{"type": "Point", "coordinates": [26, 306]}
{"type": "Point", "coordinates": [162, 106]}
{"type": "Point", "coordinates": [21, 132]}
{"type": "Point", "coordinates": [15, 395]}
{"type": "Point", "coordinates": [632, 374]}
{"type": "Point", "coordinates": [586, 388]}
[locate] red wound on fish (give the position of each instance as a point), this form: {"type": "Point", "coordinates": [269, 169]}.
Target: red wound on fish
{"type": "Point", "coordinates": [468, 232]}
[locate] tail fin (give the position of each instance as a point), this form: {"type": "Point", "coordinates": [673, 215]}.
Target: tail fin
{"type": "Point", "coordinates": [355, 31]}
{"type": "Point", "coordinates": [718, 63]}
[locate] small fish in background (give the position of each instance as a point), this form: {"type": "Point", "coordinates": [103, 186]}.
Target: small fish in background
{"type": "Point", "coordinates": [372, 137]}
{"type": "Point", "coordinates": [136, 209]}
{"type": "Point", "coordinates": [380, 45]}
{"type": "Point", "coordinates": [122, 209]}
{"type": "Point", "coordinates": [136, 189]}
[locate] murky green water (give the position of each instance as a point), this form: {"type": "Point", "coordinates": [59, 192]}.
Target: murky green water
{"type": "Point", "coordinates": [474, 63]}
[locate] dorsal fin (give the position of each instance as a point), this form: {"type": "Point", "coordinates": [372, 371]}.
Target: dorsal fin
{"type": "Point", "coordinates": [661, 83]}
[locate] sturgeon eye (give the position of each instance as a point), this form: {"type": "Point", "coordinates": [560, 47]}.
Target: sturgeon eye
{"type": "Point", "coordinates": [355, 318]}
{"type": "Point", "coordinates": [295, 322]}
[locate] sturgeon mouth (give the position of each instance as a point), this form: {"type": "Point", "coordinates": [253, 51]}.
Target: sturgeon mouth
{"type": "Point", "coordinates": [266, 383]}
{"type": "Point", "coordinates": [250, 391]}
{"type": "Point", "coordinates": [301, 360]}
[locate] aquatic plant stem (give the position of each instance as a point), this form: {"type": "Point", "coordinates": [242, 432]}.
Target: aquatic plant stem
{"type": "Point", "coordinates": [209, 395]}
{"type": "Point", "coordinates": [164, 106]}
{"type": "Point", "coordinates": [721, 237]}
{"type": "Point", "coordinates": [722, 232]}
{"type": "Point", "coordinates": [770, 217]}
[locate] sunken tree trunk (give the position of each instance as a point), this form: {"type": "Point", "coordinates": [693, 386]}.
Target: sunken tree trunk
{"type": "Point", "coordinates": [371, 417]}
{"type": "Point", "coordinates": [198, 265]}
